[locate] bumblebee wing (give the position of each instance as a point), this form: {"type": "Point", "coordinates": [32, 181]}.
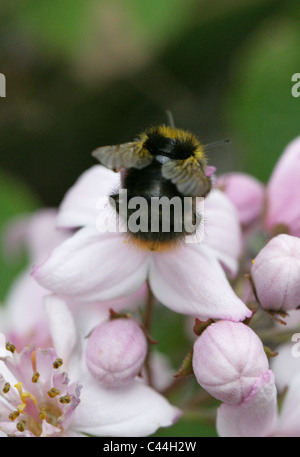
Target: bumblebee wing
{"type": "Point", "coordinates": [188, 176]}
{"type": "Point", "coordinates": [127, 155]}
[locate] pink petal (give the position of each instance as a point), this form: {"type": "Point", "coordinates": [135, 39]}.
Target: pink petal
{"type": "Point", "coordinates": [62, 327]}
{"type": "Point", "coordinates": [256, 416]}
{"type": "Point", "coordinates": [190, 280]}
{"type": "Point", "coordinates": [289, 418]}
{"type": "Point", "coordinates": [91, 314]}
{"type": "Point", "coordinates": [37, 232]}
{"type": "Point", "coordinates": [285, 365]}
{"type": "Point", "coordinates": [133, 410]}
{"type": "Point", "coordinates": [92, 266]}
{"type": "Point", "coordinates": [283, 191]}
{"type": "Point", "coordinates": [209, 171]}
{"type": "Point", "coordinates": [25, 313]}
{"type": "Point", "coordinates": [246, 193]}
{"type": "Point", "coordinates": [222, 231]}
{"type": "Point", "coordinates": [80, 206]}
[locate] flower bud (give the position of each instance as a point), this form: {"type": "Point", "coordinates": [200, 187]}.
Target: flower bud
{"type": "Point", "coordinates": [116, 351]}
{"type": "Point", "coordinates": [227, 358]}
{"type": "Point", "coordinates": [256, 416]}
{"type": "Point", "coordinates": [283, 207]}
{"type": "Point", "coordinates": [246, 193]}
{"type": "Point", "coordinates": [275, 273]}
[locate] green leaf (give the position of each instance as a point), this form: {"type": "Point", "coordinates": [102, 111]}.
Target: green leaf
{"type": "Point", "coordinates": [170, 330]}
{"type": "Point", "coordinates": [188, 427]}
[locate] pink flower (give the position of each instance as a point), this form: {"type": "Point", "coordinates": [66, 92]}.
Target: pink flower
{"type": "Point", "coordinates": [39, 399]}
{"type": "Point", "coordinates": [36, 232]}
{"type": "Point", "coordinates": [23, 318]}
{"type": "Point", "coordinates": [283, 191]}
{"type": "Point", "coordinates": [92, 266]}
{"type": "Point", "coordinates": [276, 273]}
{"type": "Point", "coordinates": [230, 363]}
{"type": "Point", "coordinates": [36, 397]}
{"type": "Point", "coordinates": [287, 374]}
{"type": "Point", "coordinates": [258, 415]}
{"type": "Point", "coordinates": [116, 351]}
{"type": "Point", "coordinates": [227, 358]}
{"type": "Point", "coordinates": [246, 193]}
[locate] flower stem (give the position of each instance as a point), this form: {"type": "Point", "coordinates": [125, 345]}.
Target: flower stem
{"type": "Point", "coordinates": [147, 321]}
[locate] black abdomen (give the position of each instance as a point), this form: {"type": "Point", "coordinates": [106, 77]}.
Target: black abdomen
{"type": "Point", "coordinates": [159, 215]}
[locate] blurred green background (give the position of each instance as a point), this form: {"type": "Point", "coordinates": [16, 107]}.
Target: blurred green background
{"type": "Point", "coordinates": [85, 73]}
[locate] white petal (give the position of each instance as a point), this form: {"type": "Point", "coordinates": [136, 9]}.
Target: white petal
{"type": "Point", "coordinates": [190, 280]}
{"type": "Point", "coordinates": [62, 327]}
{"type": "Point", "coordinates": [80, 206]}
{"type": "Point", "coordinates": [222, 230]}
{"type": "Point", "coordinates": [25, 314]}
{"type": "Point", "coordinates": [290, 413]}
{"type": "Point", "coordinates": [286, 365]}
{"type": "Point", "coordinates": [256, 416]}
{"type": "Point", "coordinates": [134, 410]}
{"type": "Point", "coordinates": [92, 266]}
{"type": "Point", "coordinates": [37, 232]}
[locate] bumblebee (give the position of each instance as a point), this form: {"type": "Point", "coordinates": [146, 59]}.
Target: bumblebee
{"type": "Point", "coordinates": [162, 162]}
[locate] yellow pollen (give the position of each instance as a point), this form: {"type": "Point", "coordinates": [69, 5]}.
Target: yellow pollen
{"type": "Point", "coordinates": [53, 392]}
{"type": "Point", "coordinates": [35, 376]}
{"type": "Point", "coordinates": [6, 388]}
{"type": "Point", "coordinates": [65, 399]}
{"type": "Point", "coordinates": [10, 347]}
{"type": "Point", "coordinates": [13, 415]}
{"type": "Point", "coordinates": [253, 260]}
{"type": "Point", "coordinates": [57, 363]}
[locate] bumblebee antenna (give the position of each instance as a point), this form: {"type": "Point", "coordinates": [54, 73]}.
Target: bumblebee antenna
{"type": "Point", "coordinates": [209, 146]}
{"type": "Point", "coordinates": [170, 119]}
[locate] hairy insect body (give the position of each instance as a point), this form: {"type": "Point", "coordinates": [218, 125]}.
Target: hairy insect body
{"type": "Point", "coordinates": [163, 172]}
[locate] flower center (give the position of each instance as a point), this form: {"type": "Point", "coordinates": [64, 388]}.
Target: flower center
{"type": "Point", "coordinates": [30, 415]}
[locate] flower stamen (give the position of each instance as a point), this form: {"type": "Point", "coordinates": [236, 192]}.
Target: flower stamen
{"type": "Point", "coordinates": [35, 376]}
{"type": "Point", "coordinates": [53, 392]}
{"type": "Point", "coordinates": [65, 399]}
{"type": "Point", "coordinates": [57, 363]}
{"type": "Point", "coordinates": [21, 426]}
{"type": "Point", "coordinates": [6, 388]}
{"type": "Point", "coordinates": [10, 347]}
{"type": "Point", "coordinates": [12, 416]}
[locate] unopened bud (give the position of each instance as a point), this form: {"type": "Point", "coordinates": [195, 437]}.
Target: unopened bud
{"type": "Point", "coordinates": [228, 356]}
{"type": "Point", "coordinates": [116, 351]}
{"type": "Point", "coordinates": [276, 272]}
